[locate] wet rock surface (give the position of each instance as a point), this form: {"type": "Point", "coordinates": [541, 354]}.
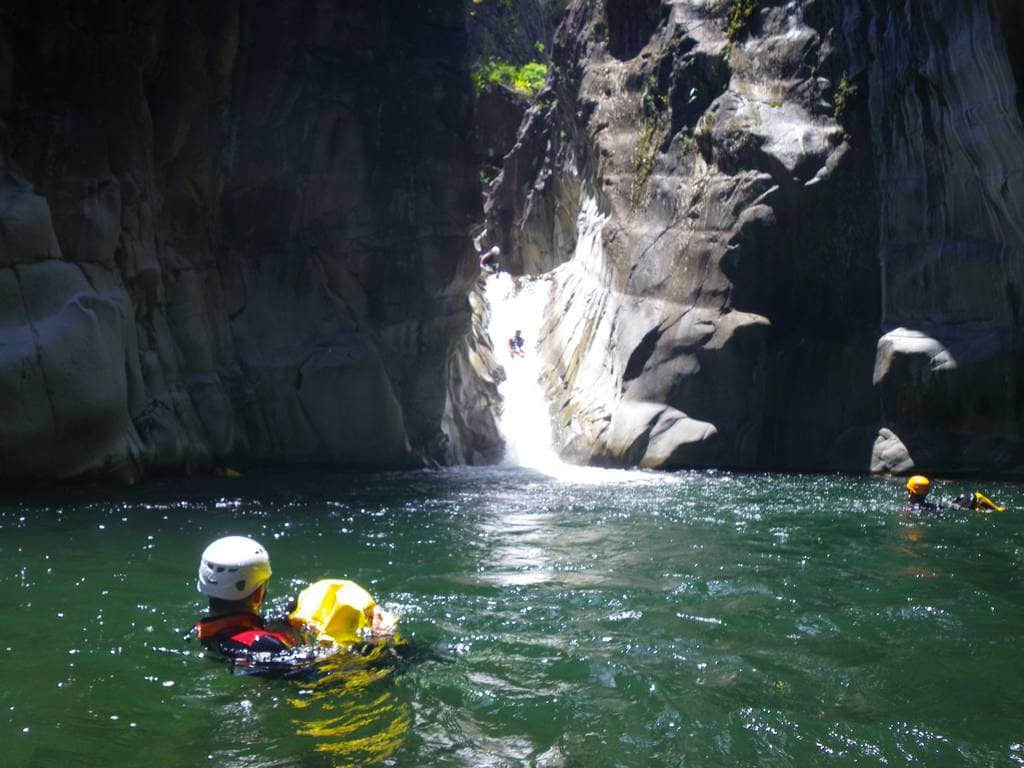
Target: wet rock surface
{"type": "Point", "coordinates": [230, 232]}
{"type": "Point", "coordinates": [753, 229]}
{"type": "Point", "coordinates": [948, 137]}
{"type": "Point", "coordinates": [241, 233]}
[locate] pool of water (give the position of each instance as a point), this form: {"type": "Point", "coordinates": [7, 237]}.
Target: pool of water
{"type": "Point", "coordinates": [615, 619]}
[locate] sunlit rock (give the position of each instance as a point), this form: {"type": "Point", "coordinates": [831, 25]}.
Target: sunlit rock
{"type": "Point", "coordinates": [889, 454]}
{"type": "Point", "coordinates": [771, 202]}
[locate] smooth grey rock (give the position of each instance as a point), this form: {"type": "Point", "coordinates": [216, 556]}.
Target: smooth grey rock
{"type": "Point", "coordinates": [890, 454]}
{"type": "Point", "coordinates": [238, 237]}
{"type": "Point", "coordinates": [903, 341]}
{"type": "Point", "coordinates": [27, 233]}
{"type": "Point", "coordinates": [653, 436]}
{"type": "Point", "coordinates": [769, 211]}
{"type": "Point", "coordinates": [65, 372]}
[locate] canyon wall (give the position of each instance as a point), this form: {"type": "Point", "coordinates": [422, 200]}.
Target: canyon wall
{"type": "Point", "coordinates": [230, 232]}
{"type": "Point", "coordinates": [782, 235]}
{"type": "Point", "coordinates": [779, 235]}
{"type": "Point", "coordinates": [948, 151]}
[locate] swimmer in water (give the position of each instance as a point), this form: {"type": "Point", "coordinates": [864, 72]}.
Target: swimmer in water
{"type": "Point", "coordinates": [233, 574]}
{"type": "Point", "coordinates": [918, 487]}
{"type": "Point", "coordinates": [329, 615]}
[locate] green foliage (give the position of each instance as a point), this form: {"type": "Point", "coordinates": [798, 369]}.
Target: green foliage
{"type": "Point", "coordinates": [530, 77]}
{"type": "Point", "coordinates": [487, 175]}
{"type": "Point", "coordinates": [654, 99]}
{"type": "Point", "coordinates": [739, 17]}
{"type": "Point", "coordinates": [845, 93]}
{"type": "Point", "coordinates": [643, 157]}
{"type": "Point", "coordinates": [527, 79]}
{"type": "Point", "coordinates": [494, 71]}
{"type": "Point", "coordinates": [685, 143]}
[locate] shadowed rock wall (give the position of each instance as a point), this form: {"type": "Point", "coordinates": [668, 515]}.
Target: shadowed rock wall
{"type": "Point", "coordinates": [794, 244]}
{"type": "Point", "coordinates": [230, 231]}
{"type": "Point", "coordinates": [949, 154]}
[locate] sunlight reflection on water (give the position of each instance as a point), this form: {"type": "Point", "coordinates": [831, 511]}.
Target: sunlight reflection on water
{"type": "Point", "coordinates": [698, 617]}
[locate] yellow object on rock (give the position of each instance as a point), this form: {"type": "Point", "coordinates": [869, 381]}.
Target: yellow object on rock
{"type": "Point", "coordinates": [339, 610]}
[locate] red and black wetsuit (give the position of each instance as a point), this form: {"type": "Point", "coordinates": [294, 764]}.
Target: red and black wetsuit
{"type": "Point", "coordinates": [240, 635]}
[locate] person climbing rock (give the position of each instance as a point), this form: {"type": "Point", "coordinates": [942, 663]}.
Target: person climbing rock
{"type": "Point", "coordinates": [515, 345]}
{"type": "Point", "coordinates": [489, 260]}
{"type": "Point", "coordinates": [233, 574]}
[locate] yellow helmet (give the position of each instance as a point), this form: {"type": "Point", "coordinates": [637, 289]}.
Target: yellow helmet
{"type": "Point", "coordinates": [919, 485]}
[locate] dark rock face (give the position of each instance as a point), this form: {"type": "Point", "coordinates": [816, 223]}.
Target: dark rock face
{"type": "Point", "coordinates": [630, 25]}
{"type": "Point", "coordinates": [497, 113]}
{"type": "Point", "coordinates": [473, 404]}
{"type": "Point", "coordinates": [948, 144]}
{"type": "Point", "coordinates": [796, 249]}
{"type": "Point", "coordinates": [512, 29]}
{"type": "Point", "coordinates": [230, 232]}
{"type": "Point", "coordinates": [239, 231]}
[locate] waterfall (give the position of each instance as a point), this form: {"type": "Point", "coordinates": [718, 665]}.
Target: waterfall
{"type": "Point", "coordinates": [522, 304]}
{"type": "Point", "coordinates": [525, 422]}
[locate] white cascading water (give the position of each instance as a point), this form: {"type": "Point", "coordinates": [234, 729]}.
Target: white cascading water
{"type": "Point", "coordinates": [522, 304]}
{"type": "Point", "coordinates": [524, 420]}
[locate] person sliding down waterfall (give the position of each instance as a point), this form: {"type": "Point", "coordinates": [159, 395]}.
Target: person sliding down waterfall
{"type": "Point", "coordinates": [515, 345]}
{"type": "Point", "coordinates": [489, 261]}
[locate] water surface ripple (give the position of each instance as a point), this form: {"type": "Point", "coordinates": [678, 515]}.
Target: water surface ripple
{"type": "Point", "coordinates": [634, 619]}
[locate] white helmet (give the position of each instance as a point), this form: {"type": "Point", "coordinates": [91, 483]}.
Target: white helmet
{"type": "Point", "coordinates": [496, 251]}
{"type": "Point", "coordinates": [233, 568]}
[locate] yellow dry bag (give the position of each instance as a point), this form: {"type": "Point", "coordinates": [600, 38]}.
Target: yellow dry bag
{"type": "Point", "coordinates": [981, 501]}
{"type": "Point", "coordinates": [340, 611]}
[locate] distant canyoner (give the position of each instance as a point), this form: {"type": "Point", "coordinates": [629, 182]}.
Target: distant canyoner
{"type": "Point", "coordinates": [524, 421]}
{"type": "Point", "coordinates": [525, 413]}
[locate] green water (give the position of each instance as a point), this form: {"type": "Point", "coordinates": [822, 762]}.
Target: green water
{"type": "Point", "coordinates": [694, 619]}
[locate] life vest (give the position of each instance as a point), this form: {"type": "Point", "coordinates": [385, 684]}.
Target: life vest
{"type": "Point", "coordinates": [340, 611]}
{"type": "Point", "coordinates": [241, 633]}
